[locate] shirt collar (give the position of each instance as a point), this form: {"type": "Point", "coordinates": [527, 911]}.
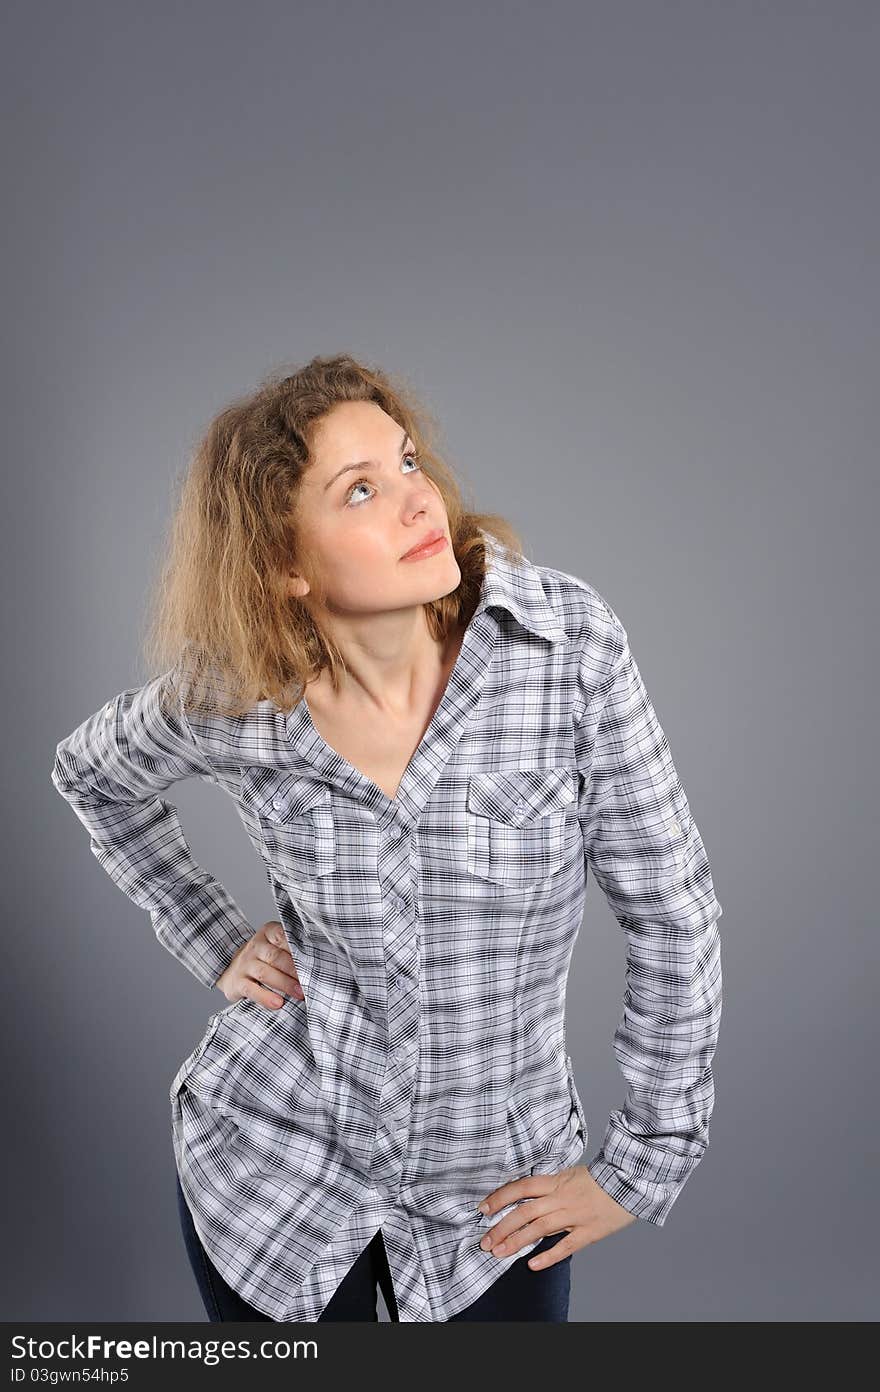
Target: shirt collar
{"type": "Point", "coordinates": [515, 585]}
{"type": "Point", "coordinates": [511, 585]}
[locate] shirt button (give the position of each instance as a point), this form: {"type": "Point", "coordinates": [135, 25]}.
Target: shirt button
{"type": "Point", "coordinates": [399, 901]}
{"type": "Point", "coordinates": [277, 802]}
{"type": "Point", "coordinates": [108, 710]}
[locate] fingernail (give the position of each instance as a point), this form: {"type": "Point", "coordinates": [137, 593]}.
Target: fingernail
{"type": "Point", "coordinates": [483, 1208]}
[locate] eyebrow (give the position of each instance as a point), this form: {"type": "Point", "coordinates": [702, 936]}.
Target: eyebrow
{"type": "Point", "coordinates": [364, 464]}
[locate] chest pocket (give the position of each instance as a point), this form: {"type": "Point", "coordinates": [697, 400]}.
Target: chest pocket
{"type": "Point", "coordinates": [517, 823]}
{"type": "Point", "coordinates": [296, 823]}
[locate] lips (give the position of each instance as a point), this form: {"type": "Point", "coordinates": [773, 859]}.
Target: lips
{"type": "Point", "coordinates": [425, 541]}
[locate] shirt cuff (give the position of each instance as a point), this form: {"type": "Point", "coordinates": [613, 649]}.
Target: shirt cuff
{"type": "Point", "coordinates": [203, 929]}
{"type": "Point", "coordinates": [646, 1181]}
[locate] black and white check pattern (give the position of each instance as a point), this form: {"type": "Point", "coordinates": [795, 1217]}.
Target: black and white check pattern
{"type": "Point", "coordinates": [432, 935]}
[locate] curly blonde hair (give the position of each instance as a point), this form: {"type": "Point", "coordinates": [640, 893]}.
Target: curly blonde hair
{"type": "Point", "coordinates": [219, 616]}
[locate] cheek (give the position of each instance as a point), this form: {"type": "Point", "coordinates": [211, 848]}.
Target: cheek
{"type": "Point", "coordinates": [357, 567]}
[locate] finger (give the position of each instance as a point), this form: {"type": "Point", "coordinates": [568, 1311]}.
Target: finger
{"type": "Point", "coordinates": [281, 969]}
{"type": "Point", "coordinates": [520, 1227]}
{"type": "Point", "coordinates": [557, 1253]}
{"type": "Point", "coordinates": [271, 979]}
{"type": "Point", "coordinates": [526, 1187]}
{"type": "Point", "coordinates": [272, 938]}
{"type": "Point", "coordinates": [263, 996]}
{"type": "Point", "coordinates": [273, 932]}
{"type": "Point", "coordinates": [275, 956]}
{"type": "Point", "coordinates": [531, 1233]}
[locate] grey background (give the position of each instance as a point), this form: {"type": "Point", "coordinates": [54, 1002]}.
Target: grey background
{"type": "Point", "coordinates": [627, 253]}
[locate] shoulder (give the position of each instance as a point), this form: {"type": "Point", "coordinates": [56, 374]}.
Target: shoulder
{"type": "Point", "coordinates": [197, 709]}
{"type": "Point", "coordinates": [585, 613]}
{"type": "Point", "coordinates": [598, 638]}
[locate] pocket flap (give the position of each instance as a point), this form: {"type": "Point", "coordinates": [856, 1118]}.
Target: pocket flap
{"type": "Point", "coordinates": [281, 797]}
{"type": "Point", "coordinates": [521, 795]}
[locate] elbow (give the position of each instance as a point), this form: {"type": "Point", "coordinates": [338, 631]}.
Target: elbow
{"type": "Point", "coordinates": [63, 773]}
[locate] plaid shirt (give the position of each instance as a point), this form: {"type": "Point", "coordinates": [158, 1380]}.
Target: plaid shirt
{"type": "Point", "coordinates": [432, 934]}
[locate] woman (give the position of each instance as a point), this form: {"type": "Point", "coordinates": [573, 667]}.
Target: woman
{"type": "Point", "coordinates": [428, 738]}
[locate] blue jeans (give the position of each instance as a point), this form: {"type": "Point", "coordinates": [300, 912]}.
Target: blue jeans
{"type": "Point", "coordinates": [518, 1294]}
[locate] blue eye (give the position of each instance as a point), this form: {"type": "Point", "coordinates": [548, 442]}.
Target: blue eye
{"type": "Point", "coordinates": [411, 454]}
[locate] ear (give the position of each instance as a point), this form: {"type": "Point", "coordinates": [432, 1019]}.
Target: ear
{"type": "Point", "coordinates": [296, 585]}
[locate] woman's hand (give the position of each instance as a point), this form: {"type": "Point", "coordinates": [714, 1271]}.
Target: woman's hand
{"type": "Point", "coordinates": [569, 1200]}
{"type": "Point", "coordinates": [263, 962]}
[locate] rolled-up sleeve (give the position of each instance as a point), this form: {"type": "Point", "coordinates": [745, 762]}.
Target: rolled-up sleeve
{"type": "Point", "coordinates": [111, 769]}
{"type": "Point", "coordinates": [647, 856]}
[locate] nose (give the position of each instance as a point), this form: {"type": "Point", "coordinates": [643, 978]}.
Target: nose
{"type": "Point", "coordinates": [419, 498]}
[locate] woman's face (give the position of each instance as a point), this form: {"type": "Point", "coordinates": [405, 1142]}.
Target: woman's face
{"type": "Point", "coordinates": [357, 522]}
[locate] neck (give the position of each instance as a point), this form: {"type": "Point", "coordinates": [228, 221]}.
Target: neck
{"type": "Point", "coordinates": [386, 674]}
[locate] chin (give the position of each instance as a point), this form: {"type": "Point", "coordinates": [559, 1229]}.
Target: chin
{"type": "Point", "coordinates": [446, 587]}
